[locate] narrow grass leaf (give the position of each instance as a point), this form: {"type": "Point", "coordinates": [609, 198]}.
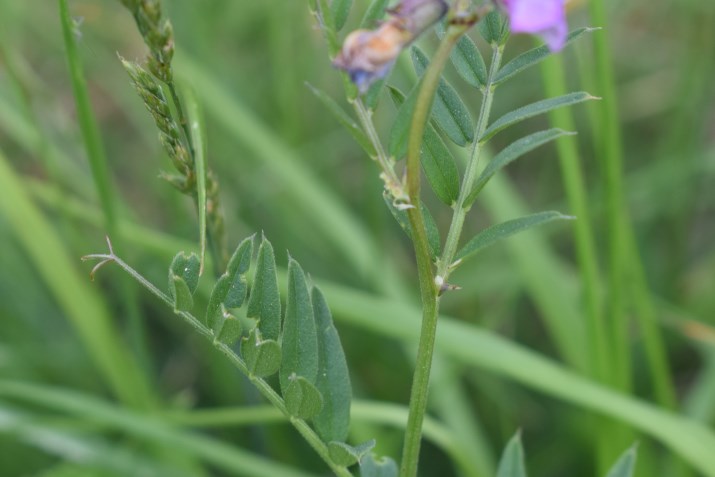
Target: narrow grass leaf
{"type": "Point", "coordinates": [504, 230]}
{"type": "Point", "coordinates": [448, 112]}
{"type": "Point", "coordinates": [374, 12]}
{"type": "Point", "coordinates": [532, 57]}
{"type": "Point", "coordinates": [625, 465]}
{"type": "Point", "coordinates": [333, 380]}
{"type": "Point", "coordinates": [299, 341]}
{"type": "Point", "coordinates": [433, 237]}
{"type": "Point", "coordinates": [237, 270]}
{"type": "Point", "coordinates": [510, 154]}
{"type": "Point", "coordinates": [341, 11]}
{"type": "Point", "coordinates": [197, 132]}
{"type": "Point", "coordinates": [534, 109]}
{"type": "Point", "coordinates": [437, 161]}
{"type": "Point", "coordinates": [302, 398]}
{"type": "Point", "coordinates": [263, 357]}
{"type": "Point", "coordinates": [380, 467]}
{"type": "Point", "coordinates": [347, 455]}
{"type": "Point", "coordinates": [467, 60]}
{"type": "Point", "coordinates": [264, 304]}
{"type": "Point", "coordinates": [512, 459]}
{"type": "Point", "coordinates": [344, 119]}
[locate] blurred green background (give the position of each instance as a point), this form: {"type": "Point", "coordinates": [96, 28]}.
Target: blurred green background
{"type": "Point", "coordinates": [288, 169]}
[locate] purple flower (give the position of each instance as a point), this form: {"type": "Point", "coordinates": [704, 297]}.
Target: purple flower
{"type": "Point", "coordinates": [546, 18]}
{"type": "Point", "coordinates": [368, 55]}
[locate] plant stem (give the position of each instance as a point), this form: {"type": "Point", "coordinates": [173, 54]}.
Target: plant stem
{"type": "Point", "coordinates": [428, 288]}
{"type": "Point", "coordinates": [460, 212]}
{"type": "Point", "coordinates": [263, 387]}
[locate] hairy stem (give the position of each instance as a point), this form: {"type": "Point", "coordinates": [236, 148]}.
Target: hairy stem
{"type": "Point", "coordinates": [428, 289]}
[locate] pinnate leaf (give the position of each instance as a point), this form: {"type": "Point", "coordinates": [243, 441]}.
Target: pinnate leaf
{"type": "Point", "coordinates": [467, 60]}
{"type": "Point", "coordinates": [187, 268]}
{"type": "Point", "coordinates": [299, 340]}
{"type": "Point", "coordinates": [333, 379]}
{"type": "Point", "coordinates": [504, 230]}
{"type": "Point", "coordinates": [264, 304]}
{"type": "Point", "coordinates": [230, 328]}
{"type": "Point", "coordinates": [183, 300]}
{"type": "Point", "coordinates": [346, 455]}
{"type": "Point", "coordinates": [534, 109]}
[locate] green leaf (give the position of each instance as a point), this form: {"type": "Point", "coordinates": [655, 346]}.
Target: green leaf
{"type": "Point", "coordinates": [510, 154]}
{"type": "Point", "coordinates": [494, 28]}
{"type": "Point", "coordinates": [346, 455]}
{"type": "Point", "coordinates": [400, 132]}
{"type": "Point", "coordinates": [264, 304]}
{"type": "Point", "coordinates": [230, 328]}
{"type": "Point", "coordinates": [448, 112]}
{"type": "Point", "coordinates": [374, 12]}
{"type": "Point", "coordinates": [181, 293]}
{"type": "Point", "coordinates": [214, 313]}
{"type": "Point", "coordinates": [341, 10]}
{"type": "Point", "coordinates": [345, 120]}
{"type": "Point", "coordinates": [532, 57]}
{"type": "Point", "coordinates": [299, 339]}
{"type": "Point", "coordinates": [504, 230]}
{"type": "Point", "coordinates": [186, 267]}
{"type": "Point", "coordinates": [437, 161]}
{"type": "Point", "coordinates": [302, 398]}
{"type": "Point", "coordinates": [534, 109]}
{"type": "Point", "coordinates": [333, 380]}
{"type": "Point", "coordinates": [197, 135]}
{"type": "Point", "coordinates": [511, 463]}
{"type": "Point", "coordinates": [237, 270]}
{"type": "Point", "coordinates": [467, 60]}
{"type": "Point", "coordinates": [433, 237]}
{"type": "Point", "coordinates": [382, 467]}
{"type": "Point", "coordinates": [625, 465]}
{"type": "Point", "coordinates": [263, 357]}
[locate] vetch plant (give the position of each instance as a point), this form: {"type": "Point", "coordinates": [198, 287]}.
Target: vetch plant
{"type": "Point", "coordinates": [244, 318]}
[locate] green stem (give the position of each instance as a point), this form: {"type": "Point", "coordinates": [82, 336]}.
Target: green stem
{"type": "Point", "coordinates": [612, 163]}
{"type": "Point", "coordinates": [263, 387]}
{"type": "Point", "coordinates": [428, 288]}
{"type": "Point", "coordinates": [460, 211]}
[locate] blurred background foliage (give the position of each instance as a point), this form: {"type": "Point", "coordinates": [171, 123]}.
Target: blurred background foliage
{"type": "Point", "coordinates": [288, 169]}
